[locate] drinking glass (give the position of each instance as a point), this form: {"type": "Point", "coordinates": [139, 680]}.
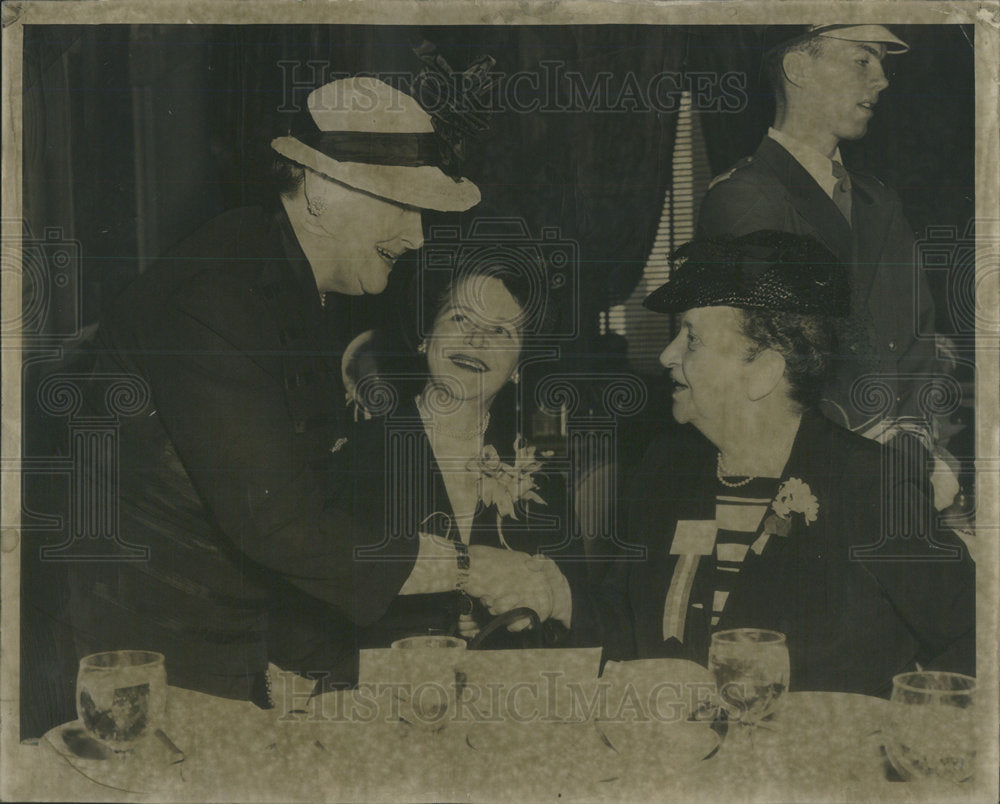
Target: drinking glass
{"type": "Point", "coordinates": [429, 675]}
{"type": "Point", "coordinates": [121, 696]}
{"type": "Point", "coordinates": [751, 671]}
{"type": "Point", "coordinates": [931, 726]}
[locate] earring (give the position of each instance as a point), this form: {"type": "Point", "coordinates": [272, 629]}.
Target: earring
{"type": "Point", "coordinates": [422, 348]}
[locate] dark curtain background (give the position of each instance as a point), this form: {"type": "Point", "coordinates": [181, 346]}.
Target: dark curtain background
{"type": "Point", "coordinates": [136, 135]}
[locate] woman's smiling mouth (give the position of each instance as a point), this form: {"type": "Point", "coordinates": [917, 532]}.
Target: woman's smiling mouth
{"type": "Point", "coordinates": [468, 363]}
{"type": "Point", "coordinates": [388, 256]}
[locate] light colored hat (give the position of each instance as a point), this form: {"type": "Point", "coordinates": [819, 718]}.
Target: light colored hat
{"type": "Point", "coordinates": [375, 138]}
{"type": "Point", "coordinates": [782, 36]}
{"type": "Point", "coordinates": [862, 33]}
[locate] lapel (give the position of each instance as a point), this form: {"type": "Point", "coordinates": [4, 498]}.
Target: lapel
{"type": "Point", "coordinates": [435, 492]}
{"type": "Point", "coordinates": [686, 476]}
{"type": "Point", "coordinates": [766, 580]}
{"type": "Point", "coordinates": [283, 283]}
{"type": "Point", "coordinates": [691, 496]}
{"type": "Point", "coordinates": [808, 201]}
{"type": "Point", "coordinates": [703, 508]}
{"type": "Point", "coordinates": [869, 225]}
{"type": "Point", "coordinates": [306, 311]}
{"type": "Point", "coordinates": [414, 497]}
{"type": "Point", "coordinates": [698, 500]}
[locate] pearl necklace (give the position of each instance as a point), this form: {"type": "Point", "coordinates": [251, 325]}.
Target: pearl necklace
{"type": "Point", "coordinates": [463, 435]}
{"type": "Point", "coordinates": [722, 472]}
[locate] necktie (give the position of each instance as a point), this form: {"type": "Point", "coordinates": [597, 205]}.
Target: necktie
{"type": "Point", "coordinates": [842, 191]}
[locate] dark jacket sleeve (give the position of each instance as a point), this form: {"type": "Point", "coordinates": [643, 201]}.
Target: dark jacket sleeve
{"type": "Point", "coordinates": [214, 370]}
{"type": "Point", "coordinates": [924, 570]}
{"type": "Point", "coordinates": [603, 616]}
{"type": "Point", "coordinates": [602, 611]}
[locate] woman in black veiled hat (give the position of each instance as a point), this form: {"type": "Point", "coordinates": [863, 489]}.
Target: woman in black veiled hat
{"type": "Point", "coordinates": [775, 517]}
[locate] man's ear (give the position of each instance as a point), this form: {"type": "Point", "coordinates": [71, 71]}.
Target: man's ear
{"type": "Point", "coordinates": [794, 66]}
{"type": "Point", "coordinates": [766, 371]}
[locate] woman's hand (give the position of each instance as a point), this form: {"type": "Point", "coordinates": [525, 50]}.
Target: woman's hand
{"type": "Point", "coordinates": [467, 626]}
{"type": "Point", "coordinates": [507, 579]}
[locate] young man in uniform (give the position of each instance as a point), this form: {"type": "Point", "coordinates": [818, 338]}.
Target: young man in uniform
{"type": "Point", "coordinates": [827, 80]}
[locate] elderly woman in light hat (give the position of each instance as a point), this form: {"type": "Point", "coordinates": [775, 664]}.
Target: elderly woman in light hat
{"type": "Point", "coordinates": [249, 554]}
{"type": "Point", "coordinates": [365, 172]}
{"type": "Point", "coordinates": [771, 516]}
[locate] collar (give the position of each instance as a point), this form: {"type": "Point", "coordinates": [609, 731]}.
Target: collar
{"type": "Point", "coordinates": [816, 164]}
{"type": "Point", "coordinates": [815, 444]}
{"type": "Point", "coordinates": [313, 239]}
{"type": "Point", "coordinates": [809, 451]}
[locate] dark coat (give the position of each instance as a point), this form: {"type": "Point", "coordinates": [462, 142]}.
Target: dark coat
{"type": "Point", "coordinates": [890, 301]}
{"type": "Point", "coordinates": [859, 598]}
{"type": "Point", "coordinates": [405, 490]}
{"type": "Point", "coordinates": [234, 476]}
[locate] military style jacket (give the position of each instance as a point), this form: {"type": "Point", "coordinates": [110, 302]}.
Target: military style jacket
{"type": "Point", "coordinates": [887, 354]}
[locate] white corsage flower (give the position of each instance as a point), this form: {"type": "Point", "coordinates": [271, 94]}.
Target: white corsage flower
{"type": "Point", "coordinates": [795, 497]}
{"type": "Point", "coordinates": [502, 485]}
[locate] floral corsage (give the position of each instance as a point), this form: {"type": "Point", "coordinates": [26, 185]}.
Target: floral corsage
{"type": "Point", "coordinates": [794, 498]}
{"type": "Point", "coordinates": [503, 486]}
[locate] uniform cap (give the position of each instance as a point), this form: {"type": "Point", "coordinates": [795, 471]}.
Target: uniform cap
{"type": "Point", "coordinates": [779, 36]}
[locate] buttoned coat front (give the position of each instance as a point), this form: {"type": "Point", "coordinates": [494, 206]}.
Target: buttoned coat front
{"type": "Point", "coordinates": [234, 478]}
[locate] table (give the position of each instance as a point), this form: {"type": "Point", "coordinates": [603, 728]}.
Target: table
{"type": "Point", "coordinates": [821, 746]}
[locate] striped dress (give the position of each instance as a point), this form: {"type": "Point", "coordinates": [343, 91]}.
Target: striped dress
{"type": "Point", "coordinates": [738, 514]}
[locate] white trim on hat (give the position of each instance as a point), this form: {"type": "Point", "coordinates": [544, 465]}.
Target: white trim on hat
{"type": "Point", "coordinates": [878, 34]}
{"type": "Point", "coordinates": [424, 187]}
{"type": "Point", "coordinates": [365, 104]}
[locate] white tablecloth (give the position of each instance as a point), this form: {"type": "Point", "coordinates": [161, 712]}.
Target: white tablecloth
{"type": "Point", "coordinates": [821, 746]}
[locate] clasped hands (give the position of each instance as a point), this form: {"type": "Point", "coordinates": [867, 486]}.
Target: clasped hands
{"type": "Point", "coordinates": [508, 579]}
